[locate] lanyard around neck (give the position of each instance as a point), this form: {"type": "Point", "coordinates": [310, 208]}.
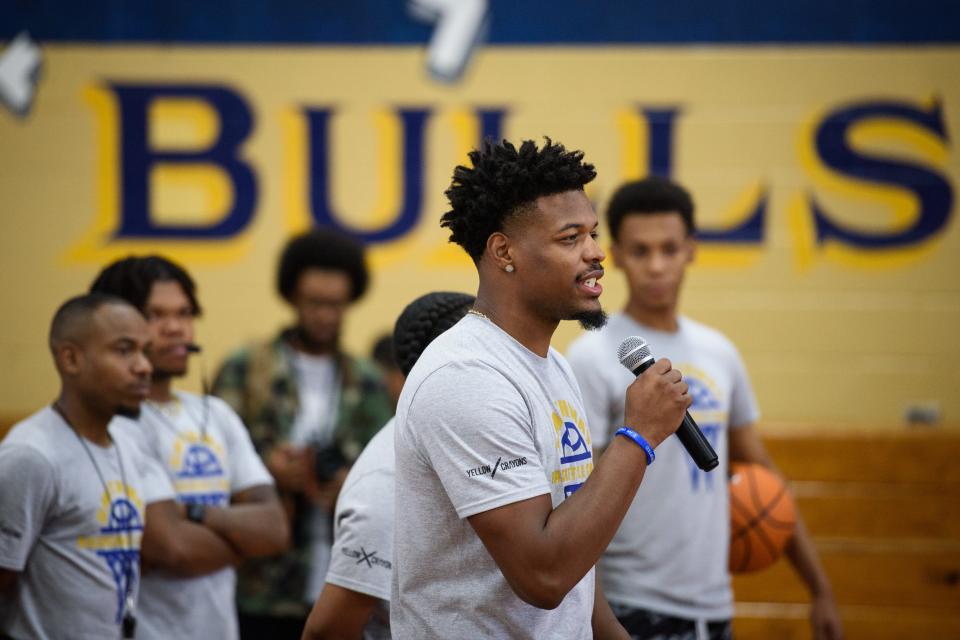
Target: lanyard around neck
{"type": "Point", "coordinates": [129, 622]}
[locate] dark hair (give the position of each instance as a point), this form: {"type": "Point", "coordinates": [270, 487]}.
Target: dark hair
{"type": "Point", "coordinates": [423, 320]}
{"type": "Point", "coordinates": [649, 195]}
{"type": "Point", "coordinates": [133, 277]}
{"type": "Point", "coordinates": [383, 353]}
{"type": "Point", "coordinates": [78, 308]}
{"type": "Point", "coordinates": [323, 248]}
{"type": "Point", "coordinates": [502, 182]}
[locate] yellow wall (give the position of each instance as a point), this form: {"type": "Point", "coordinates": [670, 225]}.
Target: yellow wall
{"type": "Point", "coordinates": [830, 333]}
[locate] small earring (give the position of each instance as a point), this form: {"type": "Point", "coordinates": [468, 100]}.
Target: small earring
{"type": "Point", "coordinates": [508, 268]}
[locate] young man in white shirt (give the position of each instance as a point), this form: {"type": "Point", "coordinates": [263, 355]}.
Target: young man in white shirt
{"type": "Point", "coordinates": [665, 572]}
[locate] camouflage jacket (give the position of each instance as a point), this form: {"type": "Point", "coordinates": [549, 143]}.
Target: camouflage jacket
{"type": "Point", "coordinates": [259, 382]}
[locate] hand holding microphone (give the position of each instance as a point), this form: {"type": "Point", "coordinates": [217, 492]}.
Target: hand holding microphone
{"type": "Point", "coordinates": [659, 399]}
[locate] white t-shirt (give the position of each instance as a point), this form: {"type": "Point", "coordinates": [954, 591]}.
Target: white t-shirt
{"type": "Point", "coordinates": [670, 553]}
{"type": "Point", "coordinates": [482, 422]}
{"type": "Point", "coordinates": [363, 530]}
{"type": "Point", "coordinates": [317, 399]}
{"type": "Point", "coordinates": [316, 402]}
{"type": "Point", "coordinates": [75, 543]}
{"type": "Point", "coordinates": [203, 470]}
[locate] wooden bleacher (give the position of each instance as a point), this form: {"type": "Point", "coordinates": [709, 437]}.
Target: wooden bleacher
{"type": "Point", "coordinates": [884, 511]}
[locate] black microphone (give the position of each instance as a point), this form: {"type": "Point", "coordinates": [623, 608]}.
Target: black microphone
{"type": "Point", "coordinates": [635, 355]}
{"type": "Point", "coordinates": [194, 348]}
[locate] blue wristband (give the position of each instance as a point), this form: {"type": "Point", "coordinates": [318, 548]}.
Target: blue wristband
{"type": "Point", "coordinates": [627, 432]}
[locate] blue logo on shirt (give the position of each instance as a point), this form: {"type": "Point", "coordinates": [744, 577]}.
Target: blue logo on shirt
{"type": "Point", "coordinates": [199, 462]}
{"type": "Point", "coordinates": [573, 444]}
{"type": "Point", "coordinates": [705, 403]}
{"type": "Point", "coordinates": [124, 519]}
{"type": "Point", "coordinates": [198, 473]}
{"type": "Point", "coordinates": [118, 540]}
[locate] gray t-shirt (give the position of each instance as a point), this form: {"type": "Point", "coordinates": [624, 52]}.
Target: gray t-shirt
{"type": "Point", "coordinates": [75, 544]}
{"type": "Point", "coordinates": [482, 422]}
{"type": "Point", "coordinates": [363, 530]}
{"type": "Point", "coordinates": [670, 552]}
{"type": "Point", "coordinates": [205, 470]}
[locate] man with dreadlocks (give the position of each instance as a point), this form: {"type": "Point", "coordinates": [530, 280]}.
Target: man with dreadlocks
{"type": "Point", "coordinates": [355, 602]}
{"type": "Point", "coordinates": [500, 513]}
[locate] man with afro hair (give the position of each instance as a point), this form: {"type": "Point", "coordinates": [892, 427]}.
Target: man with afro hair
{"type": "Point", "coordinates": [501, 513]}
{"type": "Point", "coordinates": [310, 408]}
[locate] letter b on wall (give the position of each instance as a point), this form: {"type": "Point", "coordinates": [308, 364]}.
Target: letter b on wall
{"type": "Point", "coordinates": [139, 159]}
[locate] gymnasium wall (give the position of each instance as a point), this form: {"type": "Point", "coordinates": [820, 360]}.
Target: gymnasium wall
{"type": "Point", "coordinates": [819, 143]}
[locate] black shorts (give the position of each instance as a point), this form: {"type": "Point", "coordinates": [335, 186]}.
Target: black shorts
{"type": "Point", "coordinates": [642, 624]}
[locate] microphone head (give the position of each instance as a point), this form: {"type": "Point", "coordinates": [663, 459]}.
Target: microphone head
{"type": "Point", "coordinates": [194, 348]}
{"type": "Point", "coordinates": [633, 351]}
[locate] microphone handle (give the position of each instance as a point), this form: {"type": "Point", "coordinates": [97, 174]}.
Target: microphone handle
{"type": "Point", "coordinates": [689, 433]}
{"type": "Point", "coordinates": [697, 444]}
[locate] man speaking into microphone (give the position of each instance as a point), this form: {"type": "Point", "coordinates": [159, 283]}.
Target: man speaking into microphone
{"type": "Point", "coordinates": [501, 509]}
{"type": "Point", "coordinates": [665, 572]}
{"type": "Point", "coordinates": [220, 482]}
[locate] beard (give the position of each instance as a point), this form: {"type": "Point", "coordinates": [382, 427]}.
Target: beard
{"type": "Point", "coordinates": [591, 320]}
{"type": "Point", "coordinates": [313, 345]}
{"type": "Point", "coordinates": [160, 373]}
{"type": "Point", "coordinates": [127, 412]}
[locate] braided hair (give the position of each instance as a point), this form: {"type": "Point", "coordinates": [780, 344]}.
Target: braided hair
{"type": "Point", "coordinates": [133, 277]}
{"type": "Point", "coordinates": [423, 320]}
{"type": "Point", "coordinates": [505, 181]}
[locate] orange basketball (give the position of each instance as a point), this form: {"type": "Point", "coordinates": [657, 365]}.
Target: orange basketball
{"type": "Point", "coordinates": [762, 517]}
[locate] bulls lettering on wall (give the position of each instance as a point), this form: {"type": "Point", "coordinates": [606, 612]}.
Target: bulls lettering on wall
{"type": "Point", "coordinates": [915, 188]}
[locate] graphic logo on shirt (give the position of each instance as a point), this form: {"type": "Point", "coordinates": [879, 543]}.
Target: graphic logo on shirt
{"type": "Point", "coordinates": [710, 415]}
{"type": "Point", "coordinates": [199, 475]}
{"type": "Point", "coordinates": [118, 541]}
{"type": "Point", "coordinates": [369, 558]}
{"type": "Point", "coordinates": [573, 445]}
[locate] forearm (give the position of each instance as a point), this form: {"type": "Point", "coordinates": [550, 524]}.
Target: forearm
{"type": "Point", "coordinates": [182, 547]}
{"type": "Point", "coordinates": [605, 624]}
{"type": "Point", "coordinates": [255, 530]}
{"type": "Point", "coordinates": [745, 446]}
{"type": "Point", "coordinates": [339, 614]}
{"type": "Point", "coordinates": [196, 551]}
{"type": "Point", "coordinates": [803, 556]}
{"type": "Point", "coordinates": [583, 525]}
{"type": "Point", "coordinates": [545, 552]}
{"type": "Point", "coordinates": [825, 618]}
